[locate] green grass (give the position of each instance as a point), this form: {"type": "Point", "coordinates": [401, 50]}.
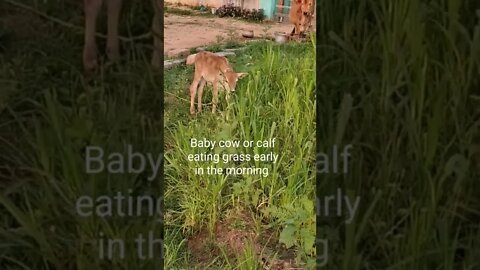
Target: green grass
{"type": "Point", "coordinates": [275, 99]}
{"type": "Point", "coordinates": [49, 113]}
{"type": "Point", "coordinates": [178, 11]}
{"type": "Point", "coordinates": [399, 81]}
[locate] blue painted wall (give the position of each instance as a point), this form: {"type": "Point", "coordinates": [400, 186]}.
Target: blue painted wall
{"type": "Point", "coordinates": [268, 7]}
{"type": "Point", "coordinates": [286, 3]}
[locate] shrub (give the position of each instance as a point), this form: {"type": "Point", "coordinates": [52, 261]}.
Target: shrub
{"type": "Point", "coordinates": [200, 8]}
{"type": "Point", "coordinates": [230, 10]}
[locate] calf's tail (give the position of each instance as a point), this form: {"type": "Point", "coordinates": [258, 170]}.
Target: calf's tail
{"type": "Point", "coordinates": [191, 58]}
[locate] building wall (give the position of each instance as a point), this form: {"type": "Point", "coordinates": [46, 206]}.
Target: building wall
{"type": "Point", "coordinates": [269, 7]}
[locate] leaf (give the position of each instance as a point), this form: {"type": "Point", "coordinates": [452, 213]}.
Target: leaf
{"type": "Point", "coordinates": [307, 204]}
{"type": "Point", "coordinates": [311, 263]}
{"type": "Point", "coordinates": [287, 236]}
{"type": "Point", "coordinates": [308, 238]}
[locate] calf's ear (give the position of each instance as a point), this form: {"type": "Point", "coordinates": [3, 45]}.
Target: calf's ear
{"type": "Point", "coordinates": [241, 75]}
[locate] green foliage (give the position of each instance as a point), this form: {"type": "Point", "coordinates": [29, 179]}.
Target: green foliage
{"type": "Point", "coordinates": [398, 82]}
{"type": "Point", "coordinates": [178, 11]}
{"type": "Point", "coordinates": [230, 10]}
{"type": "Point", "coordinates": [298, 222]}
{"type": "Point", "coordinates": [49, 113]}
{"type": "Point", "coordinates": [271, 102]}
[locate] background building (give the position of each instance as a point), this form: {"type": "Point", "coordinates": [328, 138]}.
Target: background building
{"type": "Point", "coordinates": [273, 9]}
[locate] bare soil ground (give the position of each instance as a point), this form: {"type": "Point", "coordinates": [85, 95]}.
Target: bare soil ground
{"type": "Point", "coordinates": [233, 234]}
{"type": "Point", "coordinates": [185, 32]}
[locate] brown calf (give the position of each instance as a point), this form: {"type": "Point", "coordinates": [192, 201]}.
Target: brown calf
{"type": "Point", "coordinates": [92, 9]}
{"type": "Point", "coordinates": [214, 69]}
{"type": "Point", "coordinates": [301, 13]}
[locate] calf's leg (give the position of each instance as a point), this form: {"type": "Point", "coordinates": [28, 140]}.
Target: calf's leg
{"type": "Point", "coordinates": [215, 96]}
{"type": "Point", "coordinates": [193, 92]}
{"type": "Point", "coordinates": [157, 36]}
{"type": "Point", "coordinates": [113, 10]}
{"type": "Point", "coordinates": [200, 94]}
{"type": "Point", "coordinates": [91, 9]}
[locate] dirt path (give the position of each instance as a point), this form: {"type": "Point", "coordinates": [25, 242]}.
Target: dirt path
{"type": "Point", "coordinates": [185, 32]}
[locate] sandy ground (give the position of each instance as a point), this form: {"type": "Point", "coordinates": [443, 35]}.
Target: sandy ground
{"type": "Point", "coordinates": [185, 32]}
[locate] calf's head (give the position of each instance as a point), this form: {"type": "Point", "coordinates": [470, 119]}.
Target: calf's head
{"type": "Point", "coordinates": [232, 78]}
{"type": "Point", "coordinates": [307, 7]}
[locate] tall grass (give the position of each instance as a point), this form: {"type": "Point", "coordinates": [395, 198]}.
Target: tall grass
{"type": "Point", "coordinates": [276, 100]}
{"type": "Point", "coordinates": [409, 70]}
{"type": "Point", "coordinates": [49, 116]}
